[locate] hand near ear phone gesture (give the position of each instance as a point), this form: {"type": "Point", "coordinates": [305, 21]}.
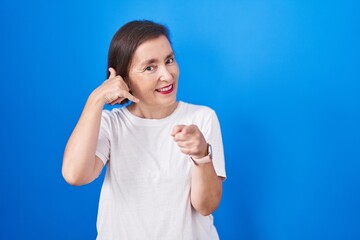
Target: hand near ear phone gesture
{"type": "Point", "coordinates": [114, 90]}
{"type": "Point", "coordinates": [190, 140]}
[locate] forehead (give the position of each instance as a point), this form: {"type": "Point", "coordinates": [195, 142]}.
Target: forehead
{"type": "Point", "coordinates": [157, 49]}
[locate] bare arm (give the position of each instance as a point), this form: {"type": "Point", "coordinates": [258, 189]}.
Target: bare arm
{"type": "Point", "coordinates": [80, 164]}
{"type": "Point", "coordinates": [206, 186]}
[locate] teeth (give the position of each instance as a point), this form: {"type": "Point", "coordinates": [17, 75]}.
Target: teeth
{"type": "Point", "coordinates": [166, 88]}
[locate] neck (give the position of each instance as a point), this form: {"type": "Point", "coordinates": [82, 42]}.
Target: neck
{"type": "Point", "coordinates": [152, 112]}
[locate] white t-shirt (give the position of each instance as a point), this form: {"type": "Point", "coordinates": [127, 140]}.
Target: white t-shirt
{"type": "Point", "coordinates": [146, 190]}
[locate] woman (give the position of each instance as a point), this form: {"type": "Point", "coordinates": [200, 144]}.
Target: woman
{"type": "Point", "coordinates": [164, 158]}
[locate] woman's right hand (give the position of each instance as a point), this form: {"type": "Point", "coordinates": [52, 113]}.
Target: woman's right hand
{"type": "Point", "coordinates": [113, 90]}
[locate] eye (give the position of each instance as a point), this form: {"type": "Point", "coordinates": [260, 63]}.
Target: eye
{"type": "Point", "coordinates": [150, 68]}
{"type": "Point", "coordinates": [170, 60]}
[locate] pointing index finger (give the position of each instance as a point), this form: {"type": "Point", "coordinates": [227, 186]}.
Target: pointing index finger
{"type": "Point", "coordinates": [177, 129]}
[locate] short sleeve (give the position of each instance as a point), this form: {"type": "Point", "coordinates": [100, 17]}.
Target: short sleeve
{"type": "Point", "coordinates": [212, 134]}
{"type": "Point", "coordinates": [103, 144]}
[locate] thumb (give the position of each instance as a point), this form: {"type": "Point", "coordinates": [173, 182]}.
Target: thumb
{"type": "Point", "coordinates": [177, 129]}
{"type": "Point", "coordinates": [112, 72]}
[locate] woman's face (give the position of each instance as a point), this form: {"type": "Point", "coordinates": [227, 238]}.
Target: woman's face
{"type": "Point", "coordinates": [154, 73]}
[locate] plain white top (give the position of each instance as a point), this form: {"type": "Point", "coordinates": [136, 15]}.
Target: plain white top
{"type": "Point", "coordinates": [146, 190]}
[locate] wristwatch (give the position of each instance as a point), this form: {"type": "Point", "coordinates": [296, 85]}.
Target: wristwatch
{"type": "Point", "coordinates": [206, 159]}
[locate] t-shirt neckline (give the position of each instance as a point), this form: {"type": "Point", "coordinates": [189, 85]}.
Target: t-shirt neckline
{"type": "Point", "coordinates": [151, 122]}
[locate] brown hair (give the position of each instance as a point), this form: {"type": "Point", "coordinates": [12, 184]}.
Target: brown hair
{"type": "Point", "coordinates": [127, 39]}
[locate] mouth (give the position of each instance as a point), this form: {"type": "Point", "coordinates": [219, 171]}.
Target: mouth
{"type": "Point", "coordinates": [166, 90]}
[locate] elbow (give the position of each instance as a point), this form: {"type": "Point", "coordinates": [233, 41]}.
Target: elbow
{"type": "Point", "coordinates": [206, 209]}
{"type": "Point", "coordinates": [71, 179]}
{"type": "Point", "coordinates": [71, 176]}
{"type": "Point", "coordinates": [208, 206]}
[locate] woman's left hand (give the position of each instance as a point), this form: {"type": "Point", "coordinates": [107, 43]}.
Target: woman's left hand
{"type": "Point", "coordinates": [190, 140]}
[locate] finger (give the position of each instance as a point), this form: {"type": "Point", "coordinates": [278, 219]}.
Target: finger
{"type": "Point", "coordinates": [130, 97]}
{"type": "Point", "coordinates": [186, 151]}
{"type": "Point", "coordinates": [112, 72]}
{"type": "Point", "coordinates": [177, 129]}
{"type": "Point", "coordinates": [119, 84]}
{"type": "Point", "coordinates": [183, 144]}
{"type": "Point", "coordinates": [185, 133]}
{"type": "Point", "coordinates": [180, 137]}
{"type": "Point", "coordinates": [117, 101]}
{"type": "Point", "coordinates": [189, 129]}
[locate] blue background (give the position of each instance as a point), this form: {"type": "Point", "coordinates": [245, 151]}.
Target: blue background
{"type": "Point", "coordinates": [283, 77]}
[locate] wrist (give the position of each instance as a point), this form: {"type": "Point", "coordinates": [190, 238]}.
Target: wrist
{"type": "Point", "coordinates": [202, 153]}
{"type": "Point", "coordinates": [206, 159]}
{"type": "Point", "coordinates": [95, 99]}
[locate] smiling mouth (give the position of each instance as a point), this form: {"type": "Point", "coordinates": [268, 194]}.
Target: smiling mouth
{"type": "Point", "coordinates": [166, 90]}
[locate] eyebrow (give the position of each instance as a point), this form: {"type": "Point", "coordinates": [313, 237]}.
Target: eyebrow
{"type": "Point", "coordinates": [154, 60]}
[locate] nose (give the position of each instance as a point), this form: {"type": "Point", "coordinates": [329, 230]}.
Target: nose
{"type": "Point", "coordinates": [165, 74]}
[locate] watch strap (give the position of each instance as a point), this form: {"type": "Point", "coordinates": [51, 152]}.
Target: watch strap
{"type": "Point", "coordinates": [206, 159]}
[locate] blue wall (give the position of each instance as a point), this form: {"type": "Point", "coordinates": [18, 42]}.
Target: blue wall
{"type": "Point", "coordinates": [283, 77]}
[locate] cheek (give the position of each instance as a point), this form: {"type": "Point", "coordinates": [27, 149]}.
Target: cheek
{"type": "Point", "coordinates": [142, 89]}
{"type": "Point", "coordinates": [133, 86]}
{"type": "Point", "coordinates": [176, 70]}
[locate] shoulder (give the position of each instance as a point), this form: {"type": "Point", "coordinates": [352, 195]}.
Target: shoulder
{"type": "Point", "coordinates": [196, 109]}
{"type": "Point", "coordinates": [110, 117]}
{"type": "Point", "coordinates": [109, 114]}
{"type": "Point", "coordinates": [198, 114]}
{"type": "Point", "coordinates": [113, 113]}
